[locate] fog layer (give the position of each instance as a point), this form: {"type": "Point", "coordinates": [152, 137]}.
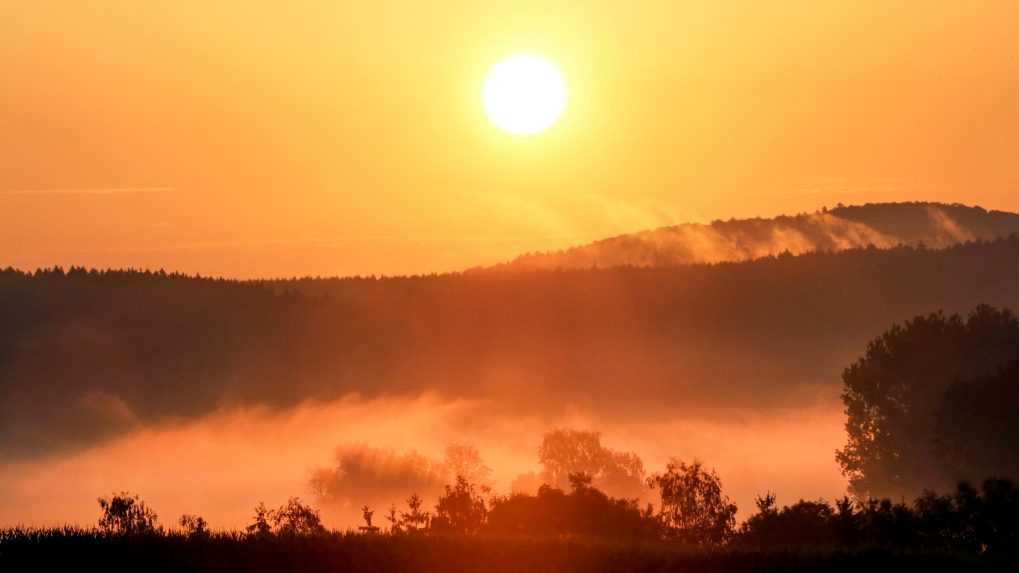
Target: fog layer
{"type": "Point", "coordinates": [223, 464]}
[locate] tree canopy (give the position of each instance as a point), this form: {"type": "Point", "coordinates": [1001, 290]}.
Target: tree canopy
{"type": "Point", "coordinates": [918, 404]}
{"type": "Point", "coordinates": [693, 508]}
{"type": "Point", "coordinates": [565, 453]}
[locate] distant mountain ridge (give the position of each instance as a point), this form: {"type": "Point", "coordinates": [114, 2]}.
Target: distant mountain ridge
{"type": "Point", "coordinates": [883, 225]}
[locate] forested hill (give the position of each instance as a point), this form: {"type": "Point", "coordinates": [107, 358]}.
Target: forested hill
{"type": "Point", "coordinates": [87, 355]}
{"type": "Point", "coordinates": [883, 225]}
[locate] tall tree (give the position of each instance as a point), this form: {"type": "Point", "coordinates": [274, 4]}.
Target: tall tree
{"type": "Point", "coordinates": [892, 396]}
{"type": "Point", "coordinates": [977, 432]}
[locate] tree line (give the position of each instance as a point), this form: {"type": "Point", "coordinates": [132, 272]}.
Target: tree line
{"type": "Point", "coordinates": [692, 511]}
{"type": "Point", "coordinates": [88, 355]}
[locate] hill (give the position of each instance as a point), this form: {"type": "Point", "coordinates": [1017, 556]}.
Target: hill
{"type": "Point", "coordinates": [88, 355]}
{"type": "Point", "coordinates": [883, 225]}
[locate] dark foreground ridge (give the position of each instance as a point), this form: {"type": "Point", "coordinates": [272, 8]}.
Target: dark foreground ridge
{"type": "Point", "coordinates": [583, 530]}
{"type": "Point", "coordinates": [352, 553]}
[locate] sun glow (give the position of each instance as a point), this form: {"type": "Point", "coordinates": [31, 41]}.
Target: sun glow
{"type": "Point", "coordinates": [524, 94]}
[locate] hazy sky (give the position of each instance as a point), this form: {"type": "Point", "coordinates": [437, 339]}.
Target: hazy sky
{"type": "Point", "coordinates": [249, 138]}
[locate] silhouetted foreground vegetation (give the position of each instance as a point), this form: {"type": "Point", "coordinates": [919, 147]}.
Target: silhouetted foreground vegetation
{"type": "Point", "coordinates": [970, 520]}
{"type": "Point", "coordinates": [931, 403]}
{"type": "Point", "coordinates": [583, 530]}
{"type": "Point", "coordinates": [70, 550]}
{"type": "Point", "coordinates": [929, 397]}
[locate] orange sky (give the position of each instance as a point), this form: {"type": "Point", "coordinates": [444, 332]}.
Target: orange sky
{"type": "Point", "coordinates": [243, 138]}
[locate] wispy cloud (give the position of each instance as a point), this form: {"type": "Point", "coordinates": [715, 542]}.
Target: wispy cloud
{"type": "Point", "coordinates": [88, 191]}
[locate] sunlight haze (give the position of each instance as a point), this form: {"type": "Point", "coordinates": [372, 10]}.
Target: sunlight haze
{"type": "Point", "coordinates": [594, 286]}
{"type": "Point", "coordinates": [276, 139]}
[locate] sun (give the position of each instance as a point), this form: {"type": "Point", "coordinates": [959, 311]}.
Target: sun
{"type": "Point", "coordinates": [524, 94]}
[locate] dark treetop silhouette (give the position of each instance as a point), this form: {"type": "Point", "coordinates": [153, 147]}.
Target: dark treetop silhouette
{"type": "Point", "coordinates": [933, 402]}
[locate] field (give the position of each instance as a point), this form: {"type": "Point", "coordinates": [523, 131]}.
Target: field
{"type": "Point", "coordinates": [54, 550]}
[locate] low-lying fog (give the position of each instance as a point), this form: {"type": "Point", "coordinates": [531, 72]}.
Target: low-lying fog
{"type": "Point", "coordinates": [221, 465]}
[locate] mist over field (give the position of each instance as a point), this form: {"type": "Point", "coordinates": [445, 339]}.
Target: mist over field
{"type": "Point", "coordinates": [224, 463]}
{"type": "Point", "coordinates": [214, 395]}
{"type": "Point", "coordinates": [514, 286]}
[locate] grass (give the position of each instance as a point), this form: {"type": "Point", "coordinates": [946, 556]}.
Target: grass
{"type": "Point", "coordinates": [74, 549]}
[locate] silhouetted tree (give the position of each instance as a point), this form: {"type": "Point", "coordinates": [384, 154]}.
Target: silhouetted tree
{"type": "Point", "coordinates": [394, 521]}
{"type": "Point", "coordinates": [465, 460]}
{"type": "Point", "coordinates": [415, 520]}
{"type": "Point", "coordinates": [893, 393]}
{"type": "Point", "coordinates": [847, 521]}
{"type": "Point", "coordinates": [885, 522]}
{"type": "Point", "coordinates": [803, 523]}
{"type": "Point", "coordinates": [363, 474]}
{"type": "Point", "coordinates": [977, 428]}
{"type": "Point", "coordinates": [194, 525]}
{"type": "Point", "coordinates": [126, 514]}
{"type": "Point", "coordinates": [261, 527]}
{"type": "Point", "coordinates": [297, 518]}
{"type": "Point", "coordinates": [971, 520]}
{"type": "Point", "coordinates": [460, 510]}
{"type": "Point", "coordinates": [996, 513]}
{"type": "Point", "coordinates": [693, 508]}
{"type": "Point", "coordinates": [584, 512]}
{"type": "Point", "coordinates": [565, 451]}
{"type": "Point", "coordinates": [293, 518]}
{"type": "Point", "coordinates": [967, 521]}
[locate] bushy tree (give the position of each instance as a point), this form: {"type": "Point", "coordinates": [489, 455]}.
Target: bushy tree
{"type": "Point", "coordinates": [126, 514]}
{"type": "Point", "coordinates": [693, 508]}
{"type": "Point", "coordinates": [194, 525]}
{"type": "Point", "coordinates": [465, 460]}
{"type": "Point", "coordinates": [977, 428]}
{"type": "Point", "coordinates": [297, 518]}
{"type": "Point", "coordinates": [585, 512]}
{"type": "Point", "coordinates": [893, 394]}
{"type": "Point", "coordinates": [377, 476]}
{"type": "Point", "coordinates": [887, 522]}
{"type": "Point", "coordinates": [803, 523]}
{"type": "Point", "coordinates": [294, 518]}
{"type": "Point", "coordinates": [565, 451]}
{"type": "Point", "coordinates": [996, 513]}
{"type": "Point", "coordinates": [461, 510]}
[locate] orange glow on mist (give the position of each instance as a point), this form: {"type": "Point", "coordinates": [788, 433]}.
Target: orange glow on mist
{"type": "Point", "coordinates": [221, 466]}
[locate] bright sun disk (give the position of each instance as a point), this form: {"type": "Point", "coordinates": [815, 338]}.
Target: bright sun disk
{"type": "Point", "coordinates": [524, 94]}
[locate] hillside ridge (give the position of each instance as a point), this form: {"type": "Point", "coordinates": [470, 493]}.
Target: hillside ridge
{"type": "Point", "coordinates": [883, 225]}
